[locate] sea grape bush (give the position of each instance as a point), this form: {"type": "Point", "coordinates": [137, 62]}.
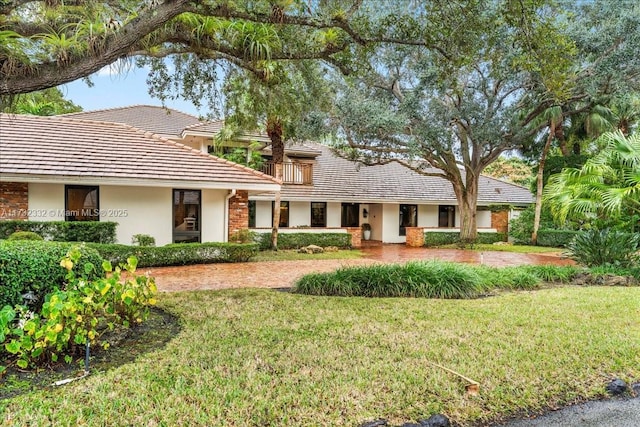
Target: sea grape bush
{"type": "Point", "coordinates": [81, 312]}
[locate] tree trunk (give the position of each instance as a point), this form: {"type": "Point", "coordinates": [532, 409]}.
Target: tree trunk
{"type": "Point", "coordinates": [540, 184]}
{"type": "Point", "coordinates": [468, 203]}
{"type": "Point", "coordinates": [274, 130]}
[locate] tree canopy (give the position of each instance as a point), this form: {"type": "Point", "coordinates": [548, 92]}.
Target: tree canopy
{"type": "Point", "coordinates": [46, 43]}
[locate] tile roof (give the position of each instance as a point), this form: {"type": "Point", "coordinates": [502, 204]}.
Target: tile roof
{"type": "Point", "coordinates": [338, 179]}
{"type": "Point", "coordinates": [63, 148]}
{"type": "Point", "coordinates": [296, 150]}
{"type": "Point", "coordinates": [160, 120]}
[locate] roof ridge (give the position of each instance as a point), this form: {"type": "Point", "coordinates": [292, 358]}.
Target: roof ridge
{"type": "Point", "coordinates": [201, 123]}
{"type": "Point", "coordinates": [128, 107]}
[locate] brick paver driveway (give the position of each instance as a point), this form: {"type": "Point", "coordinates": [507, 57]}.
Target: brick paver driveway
{"type": "Point", "coordinates": [282, 274]}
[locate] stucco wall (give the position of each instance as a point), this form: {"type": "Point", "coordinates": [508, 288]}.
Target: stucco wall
{"type": "Point", "coordinates": [391, 224]}
{"type": "Point", "coordinates": [334, 215]}
{"type": "Point", "coordinates": [483, 219]}
{"type": "Point", "coordinates": [427, 215]}
{"type": "Point", "coordinates": [137, 210]}
{"type": "Point", "coordinates": [263, 214]}
{"type": "Point", "coordinates": [46, 202]}
{"type": "Point", "coordinates": [299, 214]}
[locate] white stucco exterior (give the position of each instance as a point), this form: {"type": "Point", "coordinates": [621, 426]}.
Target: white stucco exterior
{"type": "Point", "coordinates": [384, 219]}
{"type": "Point", "coordinates": [137, 210]}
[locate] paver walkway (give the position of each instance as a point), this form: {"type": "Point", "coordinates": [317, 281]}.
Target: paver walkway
{"type": "Point", "coordinates": [282, 274]}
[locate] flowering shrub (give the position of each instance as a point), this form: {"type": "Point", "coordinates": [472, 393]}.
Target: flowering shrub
{"type": "Point", "coordinates": [82, 311]}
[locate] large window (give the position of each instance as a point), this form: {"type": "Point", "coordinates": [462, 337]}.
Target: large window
{"type": "Point", "coordinates": [81, 203]}
{"type": "Point", "coordinates": [446, 216]}
{"type": "Point", "coordinates": [318, 214]}
{"type": "Point", "coordinates": [350, 215]}
{"type": "Point", "coordinates": [408, 218]}
{"type": "Point", "coordinates": [284, 213]}
{"type": "Point", "coordinates": [252, 214]}
{"type": "Point", "coordinates": [186, 216]}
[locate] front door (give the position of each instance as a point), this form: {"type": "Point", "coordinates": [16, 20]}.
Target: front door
{"type": "Point", "coordinates": [186, 216]}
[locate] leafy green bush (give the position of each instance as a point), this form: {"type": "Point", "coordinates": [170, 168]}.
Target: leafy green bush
{"type": "Point", "coordinates": [605, 247]}
{"type": "Point", "coordinates": [64, 231]}
{"type": "Point", "coordinates": [556, 238]}
{"type": "Point", "coordinates": [34, 266]}
{"type": "Point", "coordinates": [79, 314]}
{"type": "Point", "coordinates": [24, 235]}
{"type": "Point", "coordinates": [414, 279]}
{"type": "Point", "coordinates": [178, 253]}
{"type": "Point", "coordinates": [521, 227]}
{"type": "Point", "coordinates": [143, 240]}
{"type": "Point", "coordinates": [437, 238]}
{"type": "Point", "coordinates": [299, 240]}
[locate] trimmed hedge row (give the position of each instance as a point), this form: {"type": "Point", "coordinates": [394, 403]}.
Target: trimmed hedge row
{"type": "Point", "coordinates": [436, 238]}
{"type": "Point", "coordinates": [177, 253]}
{"type": "Point", "coordinates": [34, 266]}
{"type": "Point", "coordinates": [299, 240]}
{"type": "Point", "coordinates": [556, 238]}
{"type": "Point", "coordinates": [64, 231]}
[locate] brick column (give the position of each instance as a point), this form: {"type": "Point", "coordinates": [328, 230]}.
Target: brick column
{"type": "Point", "coordinates": [239, 212]}
{"type": "Point", "coordinates": [415, 236]}
{"type": "Point", "coordinates": [356, 236]}
{"type": "Point", "coordinates": [500, 221]}
{"type": "Point", "coordinates": [14, 200]}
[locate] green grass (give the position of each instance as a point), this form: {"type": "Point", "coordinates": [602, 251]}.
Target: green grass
{"type": "Point", "coordinates": [521, 249]}
{"type": "Point", "coordinates": [261, 357]}
{"type": "Point", "coordinates": [293, 255]}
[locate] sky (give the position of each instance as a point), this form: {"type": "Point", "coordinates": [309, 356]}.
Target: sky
{"type": "Point", "coordinates": [112, 90]}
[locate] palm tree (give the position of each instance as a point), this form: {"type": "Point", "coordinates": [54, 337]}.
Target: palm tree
{"type": "Point", "coordinates": [608, 185]}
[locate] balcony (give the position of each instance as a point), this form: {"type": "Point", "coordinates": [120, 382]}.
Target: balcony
{"type": "Point", "coordinates": [292, 173]}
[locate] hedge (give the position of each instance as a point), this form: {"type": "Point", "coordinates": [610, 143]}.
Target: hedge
{"type": "Point", "coordinates": [556, 238]}
{"type": "Point", "coordinates": [177, 253]}
{"type": "Point", "coordinates": [299, 240]}
{"type": "Point", "coordinates": [64, 231]}
{"type": "Point", "coordinates": [34, 266]}
{"type": "Point", "coordinates": [436, 238]}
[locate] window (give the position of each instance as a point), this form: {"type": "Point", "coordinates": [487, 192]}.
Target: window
{"type": "Point", "coordinates": [318, 214]}
{"type": "Point", "coordinates": [252, 214]}
{"type": "Point", "coordinates": [446, 216]}
{"type": "Point", "coordinates": [186, 216]}
{"type": "Point", "coordinates": [284, 213]}
{"type": "Point", "coordinates": [350, 216]}
{"type": "Point", "coordinates": [408, 218]}
{"type": "Point", "coordinates": [81, 203]}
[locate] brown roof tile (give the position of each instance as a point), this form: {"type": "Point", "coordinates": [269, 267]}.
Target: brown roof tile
{"type": "Point", "coordinates": [68, 148]}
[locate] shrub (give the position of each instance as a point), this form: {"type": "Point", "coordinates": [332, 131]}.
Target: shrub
{"type": "Point", "coordinates": [64, 231]}
{"type": "Point", "coordinates": [34, 266]}
{"type": "Point", "coordinates": [299, 240]}
{"type": "Point", "coordinates": [414, 279]}
{"type": "Point", "coordinates": [143, 240]}
{"type": "Point", "coordinates": [521, 227]}
{"type": "Point", "coordinates": [79, 314]}
{"type": "Point", "coordinates": [178, 253]}
{"type": "Point", "coordinates": [242, 236]}
{"type": "Point", "coordinates": [556, 238]}
{"type": "Point", "coordinates": [24, 235]}
{"type": "Point", "coordinates": [605, 247]}
{"type": "Point", "coordinates": [436, 238]}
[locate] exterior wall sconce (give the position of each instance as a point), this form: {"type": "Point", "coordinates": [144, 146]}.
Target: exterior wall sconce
{"type": "Point", "coordinates": [365, 213]}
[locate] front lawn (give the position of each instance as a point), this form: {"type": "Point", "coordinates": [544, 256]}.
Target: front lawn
{"type": "Point", "coordinates": [262, 357]}
{"type": "Point", "coordinates": [294, 255]}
